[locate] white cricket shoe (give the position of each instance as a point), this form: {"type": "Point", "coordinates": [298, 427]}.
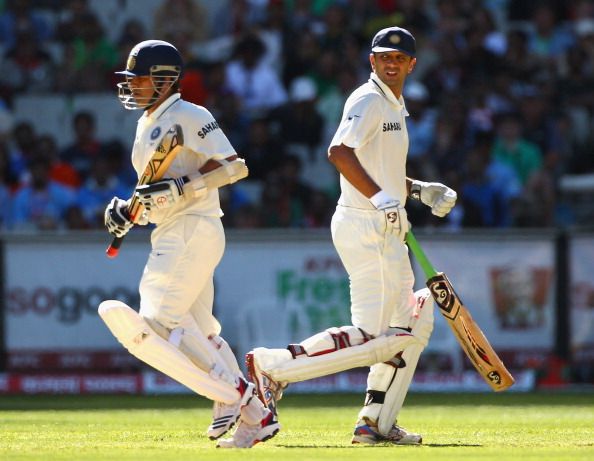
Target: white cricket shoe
{"type": "Point", "coordinates": [268, 390]}
{"type": "Point", "coordinates": [225, 416]}
{"type": "Point", "coordinates": [247, 435]}
{"type": "Point", "coordinates": [366, 432]}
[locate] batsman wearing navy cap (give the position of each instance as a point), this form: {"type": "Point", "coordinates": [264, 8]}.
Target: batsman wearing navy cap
{"type": "Point", "coordinates": [174, 329]}
{"type": "Point", "coordinates": [391, 324]}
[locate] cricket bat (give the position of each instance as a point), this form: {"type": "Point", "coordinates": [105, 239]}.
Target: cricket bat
{"type": "Point", "coordinates": [467, 332]}
{"type": "Point", "coordinates": [170, 145]}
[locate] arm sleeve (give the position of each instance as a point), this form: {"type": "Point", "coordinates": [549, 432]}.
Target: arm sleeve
{"type": "Point", "coordinates": [360, 121]}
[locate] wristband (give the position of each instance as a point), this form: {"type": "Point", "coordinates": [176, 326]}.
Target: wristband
{"type": "Point", "coordinates": [380, 198]}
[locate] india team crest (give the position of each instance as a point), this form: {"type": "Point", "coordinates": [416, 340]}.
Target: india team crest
{"type": "Point", "coordinates": [131, 62]}
{"type": "Point", "coordinates": [394, 39]}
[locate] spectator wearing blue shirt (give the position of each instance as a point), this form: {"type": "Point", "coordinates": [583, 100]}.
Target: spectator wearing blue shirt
{"type": "Point", "coordinates": [42, 203]}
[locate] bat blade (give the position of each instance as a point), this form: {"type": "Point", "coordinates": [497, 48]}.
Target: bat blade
{"type": "Point", "coordinates": [169, 146]}
{"type": "Point", "coordinates": [469, 335]}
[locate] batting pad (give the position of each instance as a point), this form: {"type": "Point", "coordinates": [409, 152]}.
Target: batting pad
{"type": "Point", "coordinates": [386, 414]}
{"type": "Point", "coordinates": [135, 334]}
{"type": "Point", "coordinates": [281, 366]}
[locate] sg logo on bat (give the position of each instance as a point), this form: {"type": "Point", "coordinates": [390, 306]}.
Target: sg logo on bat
{"type": "Point", "coordinates": [494, 376]}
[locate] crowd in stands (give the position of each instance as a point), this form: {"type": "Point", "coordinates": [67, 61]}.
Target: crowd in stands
{"type": "Point", "coordinates": [501, 103]}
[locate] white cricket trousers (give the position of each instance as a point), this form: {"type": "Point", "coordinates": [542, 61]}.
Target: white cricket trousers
{"type": "Point", "coordinates": [380, 274]}
{"type": "Point", "coordinates": [178, 276]}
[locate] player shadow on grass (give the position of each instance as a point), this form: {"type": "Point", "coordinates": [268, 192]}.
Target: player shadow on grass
{"type": "Point", "coordinates": [383, 445]}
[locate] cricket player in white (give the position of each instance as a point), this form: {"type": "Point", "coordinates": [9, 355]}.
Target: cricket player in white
{"type": "Point", "coordinates": [391, 325]}
{"type": "Point", "coordinates": [175, 331]}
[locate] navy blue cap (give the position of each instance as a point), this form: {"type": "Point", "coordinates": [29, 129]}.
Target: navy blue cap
{"type": "Point", "coordinates": [394, 39]}
{"type": "Point", "coordinates": [153, 56]}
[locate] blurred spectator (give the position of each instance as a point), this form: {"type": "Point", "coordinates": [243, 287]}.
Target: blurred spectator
{"type": "Point", "coordinates": [331, 104]}
{"type": "Point", "coordinates": [420, 122]}
{"type": "Point", "coordinates": [298, 122]}
{"type": "Point", "coordinates": [72, 20]}
{"type": "Point", "coordinates": [285, 198]}
{"type": "Point", "coordinates": [18, 17]}
{"type": "Point", "coordinates": [185, 17]}
{"type": "Point", "coordinates": [22, 147]}
{"type": "Point", "coordinates": [86, 147]}
{"type": "Point", "coordinates": [493, 39]}
{"type": "Point", "coordinates": [275, 34]}
{"type": "Point", "coordinates": [262, 151]}
{"type": "Point", "coordinates": [118, 164]}
{"type": "Point", "coordinates": [60, 171]}
{"type": "Point", "coordinates": [325, 72]}
{"type": "Point", "coordinates": [304, 50]}
{"type": "Point", "coordinates": [41, 203]}
{"type": "Point", "coordinates": [247, 216]}
{"type": "Point", "coordinates": [5, 187]}
{"type": "Point", "coordinates": [235, 18]}
{"type": "Point", "coordinates": [537, 112]}
{"type": "Point", "coordinates": [320, 210]}
{"type": "Point", "coordinates": [334, 32]}
{"type": "Point", "coordinates": [491, 189]}
{"type": "Point", "coordinates": [26, 67]}
{"type": "Point", "coordinates": [518, 61]}
{"type": "Point", "coordinates": [301, 16]}
{"type": "Point", "coordinates": [482, 204]}
{"type": "Point", "coordinates": [74, 218]}
{"type": "Point", "coordinates": [256, 85]}
{"type": "Point", "coordinates": [98, 189]}
{"type": "Point", "coordinates": [225, 105]}
{"type": "Point", "coordinates": [515, 150]}
{"type": "Point", "coordinates": [94, 56]}
{"type": "Point", "coordinates": [446, 76]}
{"type": "Point", "coordinates": [549, 38]}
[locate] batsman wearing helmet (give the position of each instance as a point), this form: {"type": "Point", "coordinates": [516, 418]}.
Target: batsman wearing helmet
{"type": "Point", "coordinates": [391, 324]}
{"type": "Point", "coordinates": [175, 330]}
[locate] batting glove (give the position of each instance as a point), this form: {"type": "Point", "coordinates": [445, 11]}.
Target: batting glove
{"type": "Point", "coordinates": [395, 214]}
{"type": "Point", "coordinates": [161, 194]}
{"type": "Point", "coordinates": [116, 217]}
{"type": "Point", "coordinates": [440, 198]}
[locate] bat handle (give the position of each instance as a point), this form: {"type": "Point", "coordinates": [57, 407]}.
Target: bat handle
{"type": "Point", "coordinates": [422, 259]}
{"type": "Point", "coordinates": [114, 248]}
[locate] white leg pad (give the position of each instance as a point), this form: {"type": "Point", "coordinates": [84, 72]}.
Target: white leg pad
{"type": "Point", "coordinates": [421, 324]}
{"type": "Point", "coordinates": [280, 365]}
{"type": "Point", "coordinates": [395, 382]}
{"type": "Point", "coordinates": [135, 334]}
{"type": "Point", "coordinates": [330, 340]}
{"type": "Point", "coordinates": [226, 354]}
{"type": "Point", "coordinates": [398, 389]}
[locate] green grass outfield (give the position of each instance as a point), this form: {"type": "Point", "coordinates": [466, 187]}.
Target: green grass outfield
{"type": "Point", "coordinates": [502, 427]}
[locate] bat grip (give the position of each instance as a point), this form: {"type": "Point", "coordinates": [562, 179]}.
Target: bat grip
{"type": "Point", "coordinates": [420, 256]}
{"type": "Point", "coordinates": [114, 248]}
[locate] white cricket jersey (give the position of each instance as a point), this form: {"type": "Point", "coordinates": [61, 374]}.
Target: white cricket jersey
{"type": "Point", "coordinates": [373, 124]}
{"type": "Point", "coordinates": [202, 136]}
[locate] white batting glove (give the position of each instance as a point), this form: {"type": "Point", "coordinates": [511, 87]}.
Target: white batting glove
{"type": "Point", "coordinates": [161, 194]}
{"type": "Point", "coordinates": [394, 212]}
{"type": "Point", "coordinates": [116, 217]}
{"type": "Point", "coordinates": [440, 198]}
